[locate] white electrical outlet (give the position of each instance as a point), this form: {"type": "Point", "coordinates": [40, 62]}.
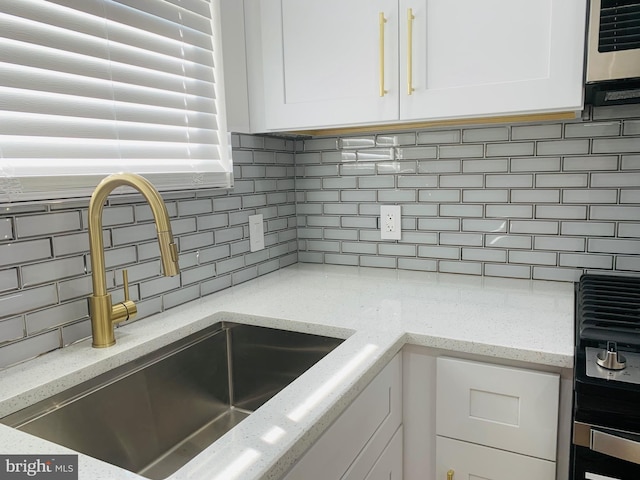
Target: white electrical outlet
{"type": "Point", "coordinates": [390, 228]}
{"type": "Point", "coordinates": [256, 232]}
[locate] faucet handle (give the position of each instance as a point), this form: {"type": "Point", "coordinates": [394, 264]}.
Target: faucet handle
{"type": "Point", "coordinates": [127, 309]}
{"type": "Point", "coordinates": [125, 284]}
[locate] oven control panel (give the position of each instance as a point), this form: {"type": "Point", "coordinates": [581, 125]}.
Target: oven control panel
{"type": "Point", "coordinates": [630, 374]}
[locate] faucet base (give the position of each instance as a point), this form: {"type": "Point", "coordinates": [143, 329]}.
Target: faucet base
{"type": "Point", "coordinates": [103, 345]}
{"type": "Point", "coordinates": [104, 316]}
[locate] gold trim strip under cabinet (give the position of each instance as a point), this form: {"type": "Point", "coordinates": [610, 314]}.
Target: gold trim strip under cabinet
{"type": "Point", "coordinates": [452, 122]}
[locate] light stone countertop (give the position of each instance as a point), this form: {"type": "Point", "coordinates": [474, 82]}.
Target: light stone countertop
{"type": "Point", "coordinates": [377, 311]}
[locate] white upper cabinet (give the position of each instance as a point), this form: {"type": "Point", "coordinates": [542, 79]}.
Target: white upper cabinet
{"type": "Point", "coordinates": [325, 62]}
{"type": "Point", "coordinates": [328, 63]}
{"type": "Point", "coordinates": [494, 57]}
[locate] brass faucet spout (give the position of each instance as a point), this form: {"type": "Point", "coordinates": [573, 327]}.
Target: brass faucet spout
{"type": "Point", "coordinates": [104, 315]}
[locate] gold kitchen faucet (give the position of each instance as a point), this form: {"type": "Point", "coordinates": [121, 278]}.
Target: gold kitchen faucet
{"type": "Point", "coordinates": [104, 315]}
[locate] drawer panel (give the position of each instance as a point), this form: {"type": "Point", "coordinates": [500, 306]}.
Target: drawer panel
{"type": "Point", "coordinates": [370, 421]}
{"type": "Point", "coordinates": [508, 408]}
{"type": "Point", "coordinates": [471, 461]}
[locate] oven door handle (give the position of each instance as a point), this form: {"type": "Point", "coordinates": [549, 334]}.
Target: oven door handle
{"type": "Point", "coordinates": [615, 446]}
{"type": "Point", "coordinates": [614, 443]}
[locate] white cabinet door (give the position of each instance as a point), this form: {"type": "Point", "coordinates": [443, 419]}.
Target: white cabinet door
{"type": "Point", "coordinates": [350, 447]}
{"type": "Point", "coordinates": [493, 57]}
{"type": "Point", "coordinates": [322, 62]}
{"type": "Point", "coordinates": [471, 461]}
{"type": "Point", "coordinates": [508, 408]}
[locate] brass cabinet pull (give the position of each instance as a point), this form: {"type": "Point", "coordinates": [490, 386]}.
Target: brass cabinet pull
{"type": "Point", "coordinates": [410, 18]}
{"type": "Point", "coordinates": [450, 475]}
{"type": "Point", "coordinates": [382, 21]}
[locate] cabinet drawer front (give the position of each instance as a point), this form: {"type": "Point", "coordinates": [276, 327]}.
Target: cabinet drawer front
{"type": "Point", "coordinates": [508, 408]}
{"type": "Point", "coordinates": [369, 421]}
{"type": "Point", "coordinates": [470, 461]}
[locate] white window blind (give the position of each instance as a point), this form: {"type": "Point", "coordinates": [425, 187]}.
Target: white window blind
{"type": "Point", "coordinates": [93, 87]}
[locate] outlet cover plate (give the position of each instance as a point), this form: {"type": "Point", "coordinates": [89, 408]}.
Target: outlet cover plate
{"type": "Point", "coordinates": [390, 222]}
{"type": "Point", "coordinates": [256, 232]}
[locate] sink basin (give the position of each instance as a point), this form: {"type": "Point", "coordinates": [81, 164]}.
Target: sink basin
{"type": "Point", "coordinates": [154, 414]}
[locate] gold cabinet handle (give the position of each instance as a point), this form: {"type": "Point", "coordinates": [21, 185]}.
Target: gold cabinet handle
{"type": "Point", "coordinates": [381, 21]}
{"type": "Point", "coordinates": [450, 475]}
{"type": "Point", "coordinates": [410, 18]}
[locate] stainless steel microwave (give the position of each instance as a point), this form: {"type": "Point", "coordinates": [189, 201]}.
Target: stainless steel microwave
{"type": "Point", "coordinates": [613, 52]}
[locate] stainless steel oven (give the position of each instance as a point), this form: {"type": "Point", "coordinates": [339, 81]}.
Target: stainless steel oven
{"type": "Point", "coordinates": [606, 415]}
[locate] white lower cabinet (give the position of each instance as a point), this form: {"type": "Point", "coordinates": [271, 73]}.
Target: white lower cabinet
{"type": "Point", "coordinates": [495, 422]}
{"type": "Point", "coordinates": [470, 461]}
{"type": "Point", "coordinates": [365, 441]}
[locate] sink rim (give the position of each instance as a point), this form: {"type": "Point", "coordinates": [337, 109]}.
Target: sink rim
{"type": "Point", "coordinates": [161, 329]}
{"type": "Point", "coordinates": [31, 381]}
{"type": "Point", "coordinates": [236, 348]}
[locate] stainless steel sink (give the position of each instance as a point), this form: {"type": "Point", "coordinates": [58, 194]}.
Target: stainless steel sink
{"type": "Point", "coordinates": [154, 414]}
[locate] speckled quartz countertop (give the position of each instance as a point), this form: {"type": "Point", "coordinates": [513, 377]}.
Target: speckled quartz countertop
{"type": "Point", "coordinates": [377, 312]}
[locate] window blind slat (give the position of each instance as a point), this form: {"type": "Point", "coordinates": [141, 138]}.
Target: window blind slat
{"type": "Point", "coordinates": [54, 38]}
{"type": "Point", "coordinates": [12, 123]}
{"type": "Point", "coordinates": [93, 87]}
{"type": "Point", "coordinates": [57, 148]}
{"type": "Point", "coordinates": [86, 17]}
{"type": "Point", "coordinates": [182, 67]}
{"type": "Point", "coordinates": [48, 59]}
{"type": "Point", "coordinates": [35, 102]}
{"type": "Point", "coordinates": [129, 12]}
{"type": "Point", "coordinates": [19, 123]}
{"type": "Point", "coordinates": [200, 7]}
{"type": "Point", "coordinates": [29, 78]}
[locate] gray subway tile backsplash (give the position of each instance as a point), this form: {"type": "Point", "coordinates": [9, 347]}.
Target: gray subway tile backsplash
{"type": "Point", "coordinates": [532, 132]}
{"type": "Point", "coordinates": [632, 127]}
{"type": "Point", "coordinates": [563, 147]}
{"type": "Point", "coordinates": [507, 270]}
{"type": "Point", "coordinates": [45, 262]}
{"type": "Point", "coordinates": [630, 162]}
{"type": "Point", "coordinates": [485, 165]}
{"type": "Point", "coordinates": [615, 145]}
{"type": "Point", "coordinates": [6, 229]}
{"type": "Point", "coordinates": [484, 255]}
{"type": "Point", "coordinates": [591, 163]}
{"type": "Point", "coordinates": [38, 225]}
{"type": "Point", "coordinates": [600, 212]}
{"type": "Point", "coordinates": [490, 134]}
{"type": "Point", "coordinates": [614, 246]}
{"type": "Point", "coordinates": [510, 149]}
{"type": "Point", "coordinates": [588, 229]}
{"type": "Point", "coordinates": [545, 201]}
{"type": "Point", "coordinates": [461, 151]}
{"type": "Point", "coordinates": [8, 279]}
{"type": "Point", "coordinates": [23, 252]}
{"type": "Point", "coordinates": [590, 130]}
{"type": "Point", "coordinates": [439, 136]}
{"type": "Point", "coordinates": [629, 230]}
{"type": "Point", "coordinates": [622, 179]}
